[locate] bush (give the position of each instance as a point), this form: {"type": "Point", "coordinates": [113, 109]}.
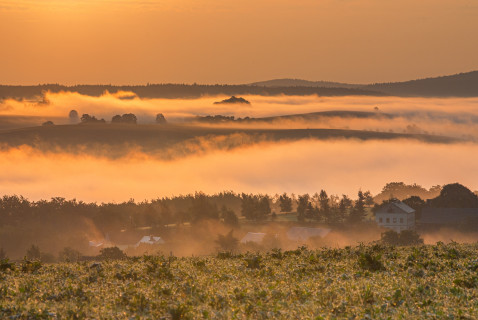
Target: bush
{"type": "Point", "coordinates": [404, 238]}
{"type": "Point", "coordinates": [370, 262]}
{"type": "Point", "coordinates": [112, 253]}
{"type": "Point", "coordinates": [69, 255]}
{"type": "Point", "coordinates": [227, 242]}
{"type": "Point", "coordinates": [33, 253]}
{"type": "Point", "coordinates": [5, 265]}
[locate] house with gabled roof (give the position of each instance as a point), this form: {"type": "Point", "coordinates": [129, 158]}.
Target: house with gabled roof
{"type": "Point", "coordinates": [256, 237]}
{"type": "Point", "coordinates": [150, 240]}
{"type": "Point", "coordinates": [395, 215]}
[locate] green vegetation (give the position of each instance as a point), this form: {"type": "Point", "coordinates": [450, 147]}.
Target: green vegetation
{"type": "Point", "coordinates": [363, 282]}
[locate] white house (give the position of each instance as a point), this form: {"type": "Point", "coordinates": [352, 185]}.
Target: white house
{"type": "Point", "coordinates": [150, 240]}
{"type": "Point", "coordinates": [256, 237]}
{"type": "Point", "coordinates": [396, 215]}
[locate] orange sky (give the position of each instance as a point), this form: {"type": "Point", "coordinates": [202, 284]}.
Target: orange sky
{"type": "Point", "coordinates": [221, 41]}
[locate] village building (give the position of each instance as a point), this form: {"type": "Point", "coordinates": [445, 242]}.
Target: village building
{"type": "Point", "coordinates": [396, 215]}
{"type": "Point", "coordinates": [256, 237]}
{"type": "Point", "coordinates": [150, 240]}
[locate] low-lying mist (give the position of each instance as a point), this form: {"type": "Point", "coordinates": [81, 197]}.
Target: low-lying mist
{"type": "Point", "coordinates": [457, 117]}
{"type": "Point", "coordinates": [305, 166]}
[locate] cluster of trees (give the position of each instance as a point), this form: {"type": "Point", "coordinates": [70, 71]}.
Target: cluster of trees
{"type": "Point", "coordinates": [68, 254]}
{"type": "Point", "coordinates": [69, 222]}
{"type": "Point", "coordinates": [329, 209]}
{"type": "Point", "coordinates": [452, 195]}
{"type": "Point", "coordinates": [127, 118]}
{"type": "Point", "coordinates": [175, 90]}
{"type": "Point", "coordinates": [87, 119]}
{"type": "Point", "coordinates": [401, 190]}
{"type": "Point", "coordinates": [255, 207]}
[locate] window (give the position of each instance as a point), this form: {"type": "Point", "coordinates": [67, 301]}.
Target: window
{"type": "Point", "coordinates": [394, 220]}
{"type": "Point", "coordinates": [380, 220]}
{"type": "Point", "coordinates": [401, 220]}
{"type": "Point", "coordinates": [388, 220]}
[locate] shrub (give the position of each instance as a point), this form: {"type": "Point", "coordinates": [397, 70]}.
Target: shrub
{"type": "Point", "coordinates": [112, 253]}
{"type": "Point", "coordinates": [404, 238]}
{"type": "Point", "coordinates": [370, 262]}
{"type": "Point", "coordinates": [33, 253]}
{"type": "Point", "coordinates": [69, 255]}
{"type": "Point", "coordinates": [227, 242]}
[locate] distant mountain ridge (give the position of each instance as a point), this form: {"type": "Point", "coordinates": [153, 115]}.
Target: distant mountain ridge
{"type": "Point", "coordinates": [456, 85]}
{"type": "Point", "coordinates": [286, 82]}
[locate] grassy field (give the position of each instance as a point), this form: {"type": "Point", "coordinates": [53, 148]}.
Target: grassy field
{"type": "Point", "coordinates": [363, 282]}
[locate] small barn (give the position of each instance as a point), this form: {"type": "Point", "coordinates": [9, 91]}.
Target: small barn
{"type": "Point", "coordinates": [448, 217]}
{"type": "Point", "coordinates": [256, 237]}
{"type": "Point", "coordinates": [95, 244]}
{"type": "Point", "coordinates": [151, 240]}
{"type": "Point", "coordinates": [304, 233]}
{"type": "Point", "coordinates": [395, 215]}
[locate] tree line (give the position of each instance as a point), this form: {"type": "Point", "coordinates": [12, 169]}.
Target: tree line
{"type": "Point", "coordinates": [174, 91]}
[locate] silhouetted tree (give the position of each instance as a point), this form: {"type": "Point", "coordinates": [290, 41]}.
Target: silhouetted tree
{"type": "Point", "coordinates": [302, 203]}
{"type": "Point", "coordinates": [455, 195]}
{"type": "Point", "coordinates": [33, 253]}
{"type": "Point", "coordinates": [230, 218]}
{"type": "Point", "coordinates": [415, 203]}
{"type": "Point", "coordinates": [227, 242]}
{"type": "Point", "coordinates": [285, 203]}
{"type": "Point", "coordinates": [344, 205]}
{"type": "Point", "coordinates": [73, 116]}
{"type": "Point", "coordinates": [116, 119]}
{"type": "Point", "coordinates": [368, 198]}
{"type": "Point", "coordinates": [160, 119]}
{"type": "Point", "coordinates": [324, 205]}
{"type": "Point", "coordinates": [129, 118]}
{"type": "Point", "coordinates": [357, 214]}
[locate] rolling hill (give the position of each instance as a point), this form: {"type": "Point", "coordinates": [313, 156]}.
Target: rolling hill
{"type": "Point", "coordinates": [457, 85]}
{"type": "Point", "coordinates": [171, 141]}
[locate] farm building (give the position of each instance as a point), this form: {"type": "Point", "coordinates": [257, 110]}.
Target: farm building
{"type": "Point", "coordinates": [256, 237]}
{"type": "Point", "coordinates": [304, 233]}
{"type": "Point", "coordinates": [448, 217]}
{"type": "Point", "coordinates": [95, 244]}
{"type": "Point", "coordinates": [396, 215]}
{"type": "Point", "coordinates": [151, 240]}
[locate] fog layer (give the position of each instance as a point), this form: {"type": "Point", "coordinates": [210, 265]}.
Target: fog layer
{"type": "Point", "coordinates": [457, 117]}
{"type": "Point", "coordinates": [338, 166]}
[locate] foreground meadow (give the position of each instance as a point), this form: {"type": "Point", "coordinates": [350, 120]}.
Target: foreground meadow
{"type": "Point", "coordinates": [363, 282]}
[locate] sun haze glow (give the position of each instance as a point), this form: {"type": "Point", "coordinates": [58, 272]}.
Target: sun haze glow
{"type": "Point", "coordinates": [213, 41]}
